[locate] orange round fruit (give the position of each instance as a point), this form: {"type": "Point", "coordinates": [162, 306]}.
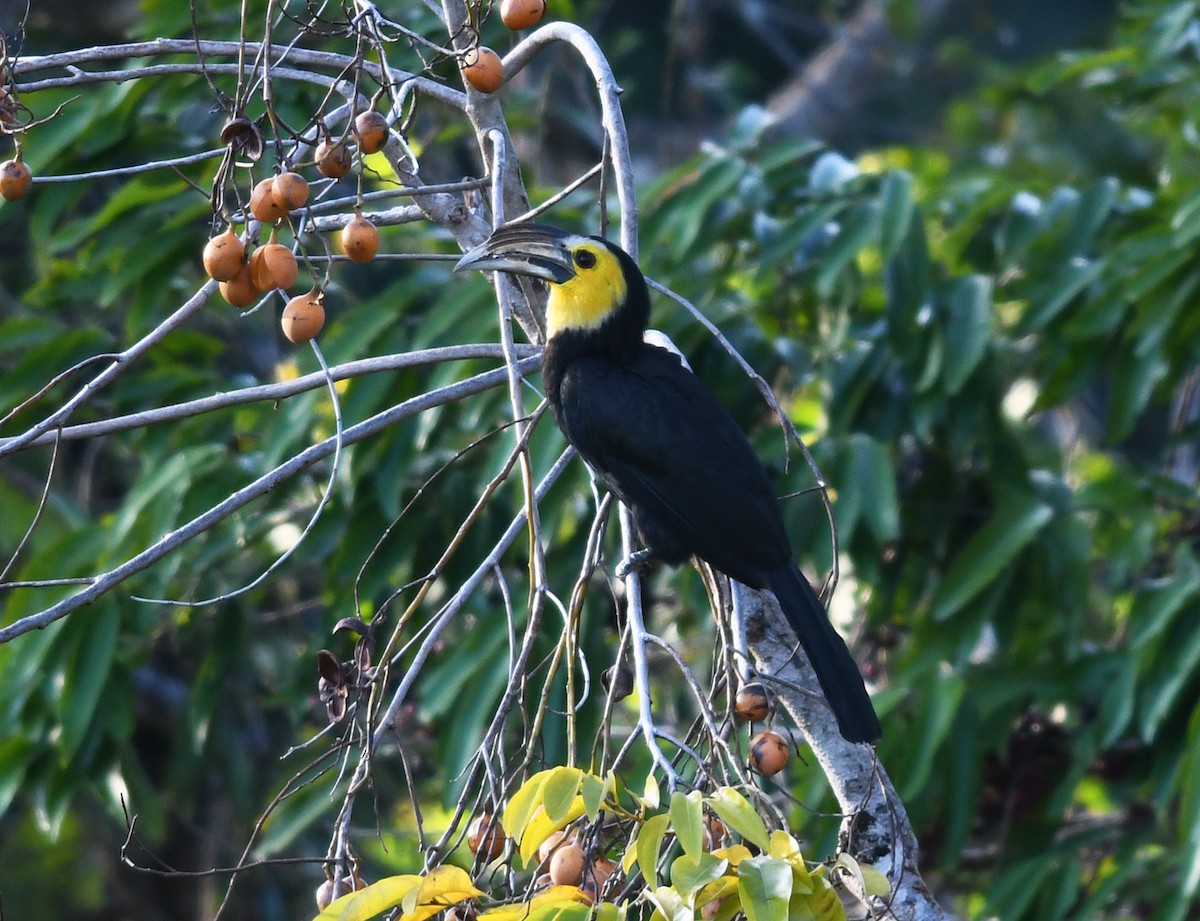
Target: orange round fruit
{"type": "Point", "coordinates": [289, 190]}
{"type": "Point", "coordinates": [263, 205]}
{"type": "Point", "coordinates": [768, 753]}
{"type": "Point", "coordinates": [485, 834]}
{"type": "Point", "coordinates": [482, 68]}
{"type": "Point", "coordinates": [360, 240]}
{"type": "Point", "coordinates": [325, 890]}
{"type": "Point", "coordinates": [753, 702]}
{"type": "Point", "coordinates": [333, 159]}
{"type": "Point", "coordinates": [273, 266]}
{"type": "Point", "coordinates": [595, 875]}
{"type": "Point", "coordinates": [371, 129]}
{"type": "Point", "coordinates": [223, 256]}
{"type": "Point", "coordinates": [522, 14]}
{"type": "Point", "coordinates": [15, 179]}
{"type": "Point", "coordinates": [550, 845]}
{"type": "Point", "coordinates": [567, 863]}
{"type": "Point", "coordinates": [240, 290]}
{"type": "Point", "coordinates": [304, 316]}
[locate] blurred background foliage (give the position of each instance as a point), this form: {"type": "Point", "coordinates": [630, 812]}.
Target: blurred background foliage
{"type": "Point", "coordinates": [977, 297]}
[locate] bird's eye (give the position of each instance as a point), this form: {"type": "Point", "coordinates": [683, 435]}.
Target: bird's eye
{"type": "Point", "coordinates": [585, 259]}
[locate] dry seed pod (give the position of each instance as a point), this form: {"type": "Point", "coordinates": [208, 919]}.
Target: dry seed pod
{"type": "Point", "coordinates": [360, 240]}
{"type": "Point", "coordinates": [768, 753]}
{"type": "Point", "coordinates": [240, 291]}
{"type": "Point", "coordinates": [482, 68]}
{"type": "Point", "coordinates": [371, 129]}
{"type": "Point", "coordinates": [263, 205]}
{"type": "Point", "coordinates": [522, 14]}
{"type": "Point", "coordinates": [304, 316]}
{"type": "Point", "coordinates": [333, 159]}
{"type": "Point", "coordinates": [289, 190]}
{"type": "Point", "coordinates": [15, 179]}
{"type": "Point", "coordinates": [273, 266]}
{"type": "Point", "coordinates": [223, 256]}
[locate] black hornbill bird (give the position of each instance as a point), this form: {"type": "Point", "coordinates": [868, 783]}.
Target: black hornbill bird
{"type": "Point", "coordinates": [660, 440]}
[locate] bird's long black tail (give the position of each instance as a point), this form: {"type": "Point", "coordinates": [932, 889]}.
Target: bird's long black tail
{"type": "Point", "coordinates": [836, 669]}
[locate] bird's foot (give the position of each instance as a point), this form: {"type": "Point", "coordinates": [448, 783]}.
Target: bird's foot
{"type": "Point", "coordinates": [638, 561]}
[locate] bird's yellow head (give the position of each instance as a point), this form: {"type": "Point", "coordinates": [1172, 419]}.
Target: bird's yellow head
{"type": "Point", "coordinates": [589, 278]}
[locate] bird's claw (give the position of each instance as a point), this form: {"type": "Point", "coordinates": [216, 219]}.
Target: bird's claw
{"type": "Point", "coordinates": [638, 561]}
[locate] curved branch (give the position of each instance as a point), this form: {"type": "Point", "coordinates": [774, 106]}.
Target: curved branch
{"type": "Point", "coordinates": [248, 493]}
{"type": "Point", "coordinates": [613, 119]}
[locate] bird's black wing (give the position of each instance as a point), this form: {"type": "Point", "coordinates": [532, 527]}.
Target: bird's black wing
{"type": "Point", "coordinates": [672, 453]}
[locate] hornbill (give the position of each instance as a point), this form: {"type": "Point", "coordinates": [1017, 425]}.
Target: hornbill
{"type": "Point", "coordinates": [660, 440]}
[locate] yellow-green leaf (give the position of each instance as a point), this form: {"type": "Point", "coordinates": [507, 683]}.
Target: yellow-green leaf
{"type": "Point", "coordinates": [687, 819]}
{"type": "Point", "coordinates": [445, 886]}
{"type": "Point", "coordinates": [523, 804]}
{"type": "Point", "coordinates": [651, 795]}
{"type": "Point", "coordinates": [371, 901]}
{"type": "Point", "coordinates": [875, 882]}
{"type": "Point", "coordinates": [670, 904]}
{"type": "Point", "coordinates": [523, 911]}
{"type": "Point", "coordinates": [718, 889]}
{"type": "Point", "coordinates": [540, 827]}
{"type": "Point", "coordinates": [736, 812]}
{"type": "Point", "coordinates": [735, 854]}
{"type": "Point", "coordinates": [649, 840]}
{"type": "Point", "coordinates": [592, 790]}
{"type": "Point", "coordinates": [558, 792]}
{"type": "Point", "coordinates": [765, 888]}
{"type": "Point", "coordinates": [692, 872]}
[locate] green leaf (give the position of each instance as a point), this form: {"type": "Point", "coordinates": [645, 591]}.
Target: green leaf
{"type": "Point", "coordinates": [1048, 300]}
{"type": "Point", "coordinates": [942, 698]}
{"type": "Point", "coordinates": [592, 791]}
{"type": "Point", "coordinates": [1184, 664]}
{"type": "Point", "coordinates": [737, 813]}
{"type": "Point", "coordinates": [854, 235]}
{"type": "Point", "coordinates": [1159, 600]}
{"type": "Point", "coordinates": [874, 476]}
{"type": "Point", "coordinates": [559, 790]}
{"type": "Point", "coordinates": [765, 887]}
{"type": "Point", "coordinates": [1012, 526]}
{"type": "Point", "coordinates": [649, 841]}
{"type": "Point", "coordinates": [691, 872]}
{"type": "Point", "coordinates": [896, 211]}
{"type": "Point", "coordinates": [687, 821]}
{"type": "Point", "coordinates": [86, 678]}
{"type": "Point", "coordinates": [967, 330]}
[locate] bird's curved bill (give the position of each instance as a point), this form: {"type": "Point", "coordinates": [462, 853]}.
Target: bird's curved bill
{"type": "Point", "coordinates": [536, 250]}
